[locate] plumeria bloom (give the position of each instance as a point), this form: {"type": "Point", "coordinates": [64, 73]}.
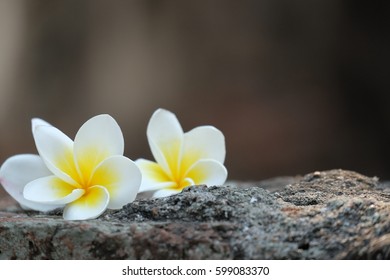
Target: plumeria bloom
{"type": "Point", "coordinates": [85, 177]}
{"type": "Point", "coordinates": [182, 159]}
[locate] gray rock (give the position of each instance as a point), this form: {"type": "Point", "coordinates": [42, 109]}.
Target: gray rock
{"type": "Point", "coordinates": [335, 214]}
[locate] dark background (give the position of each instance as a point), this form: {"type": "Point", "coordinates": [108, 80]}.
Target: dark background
{"type": "Point", "coordinates": [296, 86]}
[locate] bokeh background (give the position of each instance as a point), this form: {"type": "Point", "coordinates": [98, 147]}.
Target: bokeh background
{"type": "Point", "coordinates": [295, 86]}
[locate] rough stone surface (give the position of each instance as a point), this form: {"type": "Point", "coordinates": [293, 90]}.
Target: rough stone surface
{"type": "Point", "coordinates": [324, 215]}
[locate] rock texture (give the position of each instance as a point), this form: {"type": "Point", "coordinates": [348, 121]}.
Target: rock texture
{"type": "Point", "coordinates": [335, 214]}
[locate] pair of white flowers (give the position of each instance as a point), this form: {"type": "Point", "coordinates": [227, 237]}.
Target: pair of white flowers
{"type": "Point", "coordinates": [90, 174]}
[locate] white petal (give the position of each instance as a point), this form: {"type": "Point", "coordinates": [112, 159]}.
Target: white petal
{"type": "Point", "coordinates": [207, 171]}
{"type": "Point", "coordinates": [35, 122]}
{"type": "Point", "coordinates": [166, 192]}
{"type": "Point", "coordinates": [165, 137]}
{"type": "Point", "coordinates": [56, 150]}
{"type": "Point", "coordinates": [121, 177]}
{"type": "Point", "coordinates": [187, 182]}
{"type": "Point", "coordinates": [153, 176]}
{"type": "Point", "coordinates": [97, 139]}
{"type": "Point", "coordinates": [51, 190]}
{"type": "Point", "coordinates": [89, 206]}
{"type": "Point", "coordinates": [19, 170]}
{"type": "Point", "coordinates": [203, 142]}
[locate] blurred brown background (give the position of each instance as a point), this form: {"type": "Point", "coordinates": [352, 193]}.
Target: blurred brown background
{"type": "Point", "coordinates": [296, 86]}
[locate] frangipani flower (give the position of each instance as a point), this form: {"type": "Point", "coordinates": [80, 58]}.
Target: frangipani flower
{"type": "Point", "coordinates": [182, 159]}
{"type": "Point", "coordinates": [86, 176]}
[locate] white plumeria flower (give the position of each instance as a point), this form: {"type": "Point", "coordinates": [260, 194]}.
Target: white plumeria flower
{"type": "Point", "coordinates": [182, 159]}
{"type": "Point", "coordinates": [86, 176]}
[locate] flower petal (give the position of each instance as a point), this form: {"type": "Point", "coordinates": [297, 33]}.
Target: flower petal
{"type": "Point", "coordinates": [121, 177]}
{"type": "Point", "coordinates": [203, 142]}
{"type": "Point", "coordinates": [186, 182]}
{"type": "Point", "coordinates": [207, 171]}
{"type": "Point", "coordinates": [19, 170]}
{"type": "Point", "coordinates": [56, 150]}
{"type": "Point", "coordinates": [166, 192]}
{"type": "Point", "coordinates": [89, 206]}
{"type": "Point", "coordinates": [98, 138]}
{"type": "Point", "coordinates": [153, 176]}
{"type": "Point", "coordinates": [35, 122]}
{"type": "Point", "coordinates": [165, 137]}
{"type": "Point", "coordinates": [51, 190]}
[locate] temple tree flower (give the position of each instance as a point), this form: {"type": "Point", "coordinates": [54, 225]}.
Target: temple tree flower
{"type": "Point", "coordinates": [85, 177]}
{"type": "Point", "coordinates": [182, 159]}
